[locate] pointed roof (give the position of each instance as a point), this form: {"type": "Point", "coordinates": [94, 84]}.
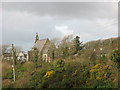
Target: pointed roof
{"type": "Point", "coordinates": [40, 44]}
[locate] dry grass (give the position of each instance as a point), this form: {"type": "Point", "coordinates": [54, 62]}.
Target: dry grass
{"type": "Point", "coordinates": [22, 82]}
{"type": "Point", "coordinates": [5, 67]}
{"type": "Point", "coordinates": [7, 83]}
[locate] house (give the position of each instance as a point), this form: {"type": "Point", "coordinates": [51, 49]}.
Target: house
{"type": "Point", "coordinates": [7, 56]}
{"type": "Point", "coordinates": [22, 56]}
{"type": "Point", "coordinates": [44, 50]}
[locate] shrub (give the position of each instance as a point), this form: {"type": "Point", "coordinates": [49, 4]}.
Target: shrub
{"type": "Point", "coordinates": [36, 78]}
{"type": "Point", "coordinates": [59, 65]}
{"type": "Point", "coordinates": [99, 76]}
{"type": "Point", "coordinates": [115, 56]}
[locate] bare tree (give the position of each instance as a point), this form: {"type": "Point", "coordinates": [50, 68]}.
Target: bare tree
{"type": "Point", "coordinates": [8, 48]}
{"type": "Point", "coordinates": [64, 46]}
{"type": "Point", "coordinates": [56, 41]}
{"type": "Point", "coordinates": [5, 48]}
{"type": "Point", "coordinates": [18, 49]}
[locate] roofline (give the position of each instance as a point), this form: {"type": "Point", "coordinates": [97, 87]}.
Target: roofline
{"type": "Point", "coordinates": [43, 39]}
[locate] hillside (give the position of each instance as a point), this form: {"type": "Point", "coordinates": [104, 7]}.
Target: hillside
{"type": "Point", "coordinates": [94, 50]}
{"type": "Point", "coordinates": [90, 68]}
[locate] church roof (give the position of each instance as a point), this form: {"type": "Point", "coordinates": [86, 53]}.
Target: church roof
{"type": "Point", "coordinates": [40, 44]}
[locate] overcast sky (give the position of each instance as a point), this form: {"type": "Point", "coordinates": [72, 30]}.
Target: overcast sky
{"type": "Point", "coordinates": [91, 21]}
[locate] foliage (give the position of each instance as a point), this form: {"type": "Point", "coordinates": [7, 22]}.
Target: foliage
{"type": "Point", "coordinates": [60, 74]}
{"type": "Point", "coordinates": [65, 52]}
{"type": "Point", "coordinates": [72, 72]}
{"type": "Point", "coordinates": [77, 44]}
{"type": "Point", "coordinates": [100, 77]}
{"type": "Point", "coordinates": [115, 56]}
{"type": "Point", "coordinates": [36, 78]}
{"type": "Point", "coordinates": [59, 65]}
{"type": "Point", "coordinates": [6, 48]}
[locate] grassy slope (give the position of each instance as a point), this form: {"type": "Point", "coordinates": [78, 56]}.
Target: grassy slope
{"type": "Point", "coordinates": [86, 56]}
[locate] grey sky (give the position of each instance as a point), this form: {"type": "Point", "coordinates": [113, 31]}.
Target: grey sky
{"type": "Point", "coordinates": [91, 21]}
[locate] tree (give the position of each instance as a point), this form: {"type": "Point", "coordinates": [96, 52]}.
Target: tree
{"type": "Point", "coordinates": [77, 44]}
{"type": "Point", "coordinates": [56, 41]}
{"type": "Point", "coordinates": [65, 52]}
{"type": "Point", "coordinates": [36, 37]}
{"type": "Point", "coordinates": [18, 49]}
{"type": "Point", "coordinates": [8, 49]}
{"type": "Point", "coordinates": [5, 48]}
{"type": "Point", "coordinates": [64, 46]}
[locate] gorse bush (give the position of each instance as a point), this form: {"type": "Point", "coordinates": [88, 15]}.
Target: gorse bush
{"type": "Point", "coordinates": [64, 75]}
{"type": "Point", "coordinates": [60, 76]}
{"type": "Point", "coordinates": [99, 76]}
{"type": "Point", "coordinates": [115, 56]}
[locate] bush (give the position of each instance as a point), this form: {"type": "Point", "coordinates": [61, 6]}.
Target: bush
{"type": "Point", "coordinates": [59, 65]}
{"type": "Point", "coordinates": [115, 56]}
{"type": "Point", "coordinates": [100, 77]}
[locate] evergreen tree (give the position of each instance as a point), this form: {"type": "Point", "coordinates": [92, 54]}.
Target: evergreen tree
{"type": "Point", "coordinates": [36, 37]}
{"type": "Point", "coordinates": [77, 44]}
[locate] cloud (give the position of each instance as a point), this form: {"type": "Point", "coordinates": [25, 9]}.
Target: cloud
{"type": "Point", "coordinates": [64, 30]}
{"type": "Point", "coordinates": [66, 10]}
{"type": "Point", "coordinates": [89, 20]}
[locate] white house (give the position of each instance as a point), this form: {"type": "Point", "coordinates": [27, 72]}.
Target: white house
{"type": "Point", "coordinates": [22, 56]}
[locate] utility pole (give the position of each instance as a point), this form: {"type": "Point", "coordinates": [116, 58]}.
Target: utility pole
{"type": "Point", "coordinates": [14, 61]}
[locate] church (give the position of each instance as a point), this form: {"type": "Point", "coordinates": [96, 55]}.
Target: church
{"type": "Point", "coordinates": [42, 49]}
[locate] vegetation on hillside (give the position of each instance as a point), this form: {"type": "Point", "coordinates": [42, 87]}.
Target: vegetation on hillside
{"type": "Point", "coordinates": [95, 65]}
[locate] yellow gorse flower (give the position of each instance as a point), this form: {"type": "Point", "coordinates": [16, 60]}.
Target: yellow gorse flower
{"type": "Point", "coordinates": [98, 78]}
{"type": "Point", "coordinates": [99, 71]}
{"type": "Point", "coordinates": [75, 73]}
{"type": "Point", "coordinates": [48, 74]}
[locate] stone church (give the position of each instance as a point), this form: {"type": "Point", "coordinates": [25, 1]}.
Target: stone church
{"type": "Point", "coordinates": [42, 48]}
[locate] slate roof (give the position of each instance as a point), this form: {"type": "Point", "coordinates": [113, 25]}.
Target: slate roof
{"type": "Point", "coordinates": [40, 45]}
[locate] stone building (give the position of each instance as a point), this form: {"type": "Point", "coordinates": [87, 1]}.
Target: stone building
{"type": "Point", "coordinates": [43, 50]}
